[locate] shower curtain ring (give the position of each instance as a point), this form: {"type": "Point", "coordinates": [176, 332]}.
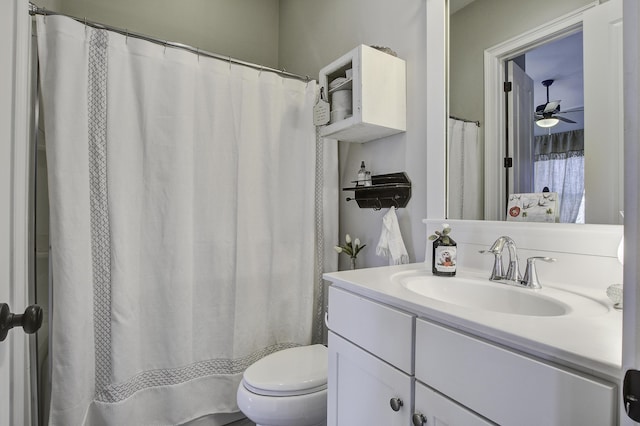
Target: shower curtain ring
{"type": "Point", "coordinates": [260, 73]}
{"type": "Point", "coordinates": [198, 53]}
{"type": "Point", "coordinates": [126, 36]}
{"type": "Point", "coordinates": [165, 48]}
{"type": "Point", "coordinates": [229, 63]}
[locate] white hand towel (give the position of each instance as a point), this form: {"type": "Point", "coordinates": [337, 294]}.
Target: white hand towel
{"type": "Point", "coordinates": [390, 243]}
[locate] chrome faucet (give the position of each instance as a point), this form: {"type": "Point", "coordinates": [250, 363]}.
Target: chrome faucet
{"type": "Point", "coordinates": [513, 276]}
{"type": "Point", "coordinates": [513, 271]}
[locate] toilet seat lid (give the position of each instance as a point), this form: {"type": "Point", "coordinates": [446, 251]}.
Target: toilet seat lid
{"type": "Point", "coordinates": [295, 371]}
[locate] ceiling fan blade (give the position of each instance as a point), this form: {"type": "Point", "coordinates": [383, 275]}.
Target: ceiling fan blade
{"type": "Point", "coordinates": [551, 106]}
{"type": "Point", "coordinates": [576, 109]}
{"type": "Point", "coordinates": [566, 120]}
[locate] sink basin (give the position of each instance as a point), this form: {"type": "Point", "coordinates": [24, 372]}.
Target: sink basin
{"type": "Point", "coordinates": [482, 294]}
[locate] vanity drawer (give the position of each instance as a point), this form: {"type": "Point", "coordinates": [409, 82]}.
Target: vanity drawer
{"type": "Point", "coordinates": [384, 331]}
{"type": "Point", "coordinates": [507, 387]}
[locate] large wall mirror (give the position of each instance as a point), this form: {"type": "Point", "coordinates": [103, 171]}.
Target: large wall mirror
{"type": "Point", "coordinates": [559, 123]}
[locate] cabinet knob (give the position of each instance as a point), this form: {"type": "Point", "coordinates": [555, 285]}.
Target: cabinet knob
{"type": "Point", "coordinates": [396, 403]}
{"type": "Point", "coordinates": [418, 419]}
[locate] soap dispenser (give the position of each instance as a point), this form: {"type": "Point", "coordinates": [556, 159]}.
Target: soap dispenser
{"type": "Point", "coordinates": [444, 255]}
{"type": "Point", "coordinates": [362, 175]}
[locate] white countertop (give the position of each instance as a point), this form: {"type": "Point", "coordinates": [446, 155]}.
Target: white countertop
{"type": "Point", "coordinates": [591, 343]}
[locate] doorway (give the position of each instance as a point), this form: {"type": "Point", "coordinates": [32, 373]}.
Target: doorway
{"type": "Point", "coordinates": [603, 109]}
{"type": "Point", "coordinates": [545, 119]}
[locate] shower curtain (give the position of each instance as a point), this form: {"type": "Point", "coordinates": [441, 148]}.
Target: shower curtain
{"type": "Point", "coordinates": [465, 171]}
{"type": "Point", "coordinates": [182, 224]}
{"type": "Point", "coordinates": [559, 166]}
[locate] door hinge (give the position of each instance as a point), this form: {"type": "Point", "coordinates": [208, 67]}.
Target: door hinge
{"type": "Point", "coordinates": [508, 86]}
{"type": "Point", "coordinates": [631, 394]}
{"type": "Point", "coordinates": [508, 162]}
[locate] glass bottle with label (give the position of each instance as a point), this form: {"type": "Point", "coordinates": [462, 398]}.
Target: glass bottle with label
{"type": "Point", "coordinates": [444, 254]}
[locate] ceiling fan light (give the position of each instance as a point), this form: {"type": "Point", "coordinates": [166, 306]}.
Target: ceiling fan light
{"type": "Point", "coordinates": [547, 122]}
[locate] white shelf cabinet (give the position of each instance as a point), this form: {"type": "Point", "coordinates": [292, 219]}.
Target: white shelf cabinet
{"type": "Point", "coordinates": [379, 99]}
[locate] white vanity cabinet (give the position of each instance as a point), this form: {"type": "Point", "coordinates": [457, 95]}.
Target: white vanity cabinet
{"type": "Point", "coordinates": [362, 388]}
{"type": "Point", "coordinates": [370, 362]}
{"type": "Point", "coordinates": [432, 408]}
{"type": "Point", "coordinates": [380, 356]}
{"type": "Point", "coordinates": [376, 84]}
{"type": "Point", "coordinates": [508, 387]}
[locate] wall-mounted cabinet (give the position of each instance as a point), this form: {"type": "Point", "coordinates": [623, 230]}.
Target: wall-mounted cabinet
{"type": "Point", "coordinates": [367, 92]}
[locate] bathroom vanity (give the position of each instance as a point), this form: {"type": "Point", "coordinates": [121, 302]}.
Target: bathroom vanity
{"type": "Point", "coordinates": [405, 348]}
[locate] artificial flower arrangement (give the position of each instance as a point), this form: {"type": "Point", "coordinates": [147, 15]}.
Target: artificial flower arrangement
{"type": "Point", "coordinates": [351, 248]}
{"type": "Point", "coordinates": [444, 235]}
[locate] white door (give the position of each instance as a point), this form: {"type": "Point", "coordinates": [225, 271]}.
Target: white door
{"type": "Point", "coordinates": [603, 113]}
{"type": "Point", "coordinates": [631, 338]}
{"type": "Point", "coordinates": [15, 40]}
{"type": "Point", "coordinates": [364, 390]}
{"type": "Point", "coordinates": [520, 133]}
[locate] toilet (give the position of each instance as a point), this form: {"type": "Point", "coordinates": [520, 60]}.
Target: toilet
{"type": "Point", "coordinates": [286, 388]}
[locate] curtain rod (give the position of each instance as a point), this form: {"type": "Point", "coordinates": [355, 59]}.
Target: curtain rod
{"type": "Point", "coordinates": [466, 121]}
{"type": "Point", "coordinates": [36, 10]}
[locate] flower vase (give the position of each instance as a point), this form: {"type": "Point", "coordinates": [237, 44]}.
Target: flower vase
{"type": "Point", "coordinates": [353, 263]}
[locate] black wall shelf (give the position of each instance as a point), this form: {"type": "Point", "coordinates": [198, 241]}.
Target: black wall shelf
{"type": "Point", "coordinates": [389, 190]}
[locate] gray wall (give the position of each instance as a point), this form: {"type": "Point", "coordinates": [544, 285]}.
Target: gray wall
{"type": "Point", "coordinates": [243, 29]}
{"type": "Point", "coordinates": [314, 33]}
{"type": "Point", "coordinates": [484, 24]}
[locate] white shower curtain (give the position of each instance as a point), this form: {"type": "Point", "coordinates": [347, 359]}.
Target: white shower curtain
{"type": "Point", "coordinates": [559, 166]}
{"type": "Point", "coordinates": [182, 224]}
{"type": "Point", "coordinates": [465, 170]}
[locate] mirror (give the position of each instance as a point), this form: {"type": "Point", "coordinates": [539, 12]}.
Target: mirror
{"type": "Point", "coordinates": [489, 41]}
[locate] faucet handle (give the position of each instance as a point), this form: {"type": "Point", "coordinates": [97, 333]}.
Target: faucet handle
{"type": "Point", "coordinates": [530, 279]}
{"type": "Point", "coordinates": [497, 273]}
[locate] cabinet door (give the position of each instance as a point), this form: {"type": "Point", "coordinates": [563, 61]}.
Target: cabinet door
{"type": "Point", "coordinates": [439, 410]}
{"type": "Point", "coordinates": [361, 388]}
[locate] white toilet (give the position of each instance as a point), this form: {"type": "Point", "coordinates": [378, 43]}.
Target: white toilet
{"type": "Point", "coordinates": [286, 388]}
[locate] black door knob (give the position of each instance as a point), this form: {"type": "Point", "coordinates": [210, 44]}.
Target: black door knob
{"type": "Point", "coordinates": [30, 321]}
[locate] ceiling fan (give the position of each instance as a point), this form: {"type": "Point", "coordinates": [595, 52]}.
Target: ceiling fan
{"type": "Point", "coordinates": [547, 114]}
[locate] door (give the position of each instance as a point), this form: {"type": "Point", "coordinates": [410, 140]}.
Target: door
{"type": "Point", "coordinates": [631, 317]}
{"type": "Point", "coordinates": [520, 131]}
{"type": "Point", "coordinates": [603, 113]}
{"type": "Point", "coordinates": [15, 41]}
{"type": "Point", "coordinates": [364, 390]}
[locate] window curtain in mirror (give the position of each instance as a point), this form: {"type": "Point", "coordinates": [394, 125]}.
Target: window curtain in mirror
{"type": "Point", "coordinates": [465, 170]}
{"type": "Point", "coordinates": [559, 166]}
{"type": "Point", "coordinates": [182, 224]}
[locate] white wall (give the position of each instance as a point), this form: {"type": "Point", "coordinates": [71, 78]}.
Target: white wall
{"type": "Point", "coordinates": [314, 33]}
{"type": "Point", "coordinates": [243, 29]}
